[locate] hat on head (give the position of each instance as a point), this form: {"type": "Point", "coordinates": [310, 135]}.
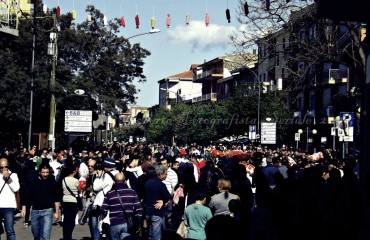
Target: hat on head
{"type": "Point", "coordinates": [109, 162]}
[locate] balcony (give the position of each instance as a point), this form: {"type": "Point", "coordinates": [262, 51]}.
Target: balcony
{"type": "Point", "coordinates": [205, 98]}
{"type": "Point", "coordinates": [213, 73]}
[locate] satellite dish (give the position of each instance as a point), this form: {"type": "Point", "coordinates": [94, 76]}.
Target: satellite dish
{"type": "Point", "coordinates": [79, 92]}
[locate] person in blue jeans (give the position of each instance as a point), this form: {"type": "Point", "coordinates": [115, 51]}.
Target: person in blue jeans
{"type": "Point", "coordinates": [70, 188]}
{"type": "Point", "coordinates": [43, 195]}
{"type": "Point", "coordinates": [121, 202]}
{"type": "Point", "coordinates": [9, 185]}
{"type": "Point", "coordinates": [156, 194]}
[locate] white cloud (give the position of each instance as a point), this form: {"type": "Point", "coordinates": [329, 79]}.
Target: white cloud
{"type": "Point", "coordinates": [199, 36]}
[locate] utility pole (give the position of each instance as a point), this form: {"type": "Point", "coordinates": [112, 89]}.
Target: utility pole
{"type": "Point", "coordinates": [33, 76]}
{"type": "Point", "coordinates": [54, 48]}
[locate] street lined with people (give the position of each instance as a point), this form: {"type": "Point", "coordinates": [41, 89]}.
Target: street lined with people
{"type": "Point", "coordinates": [254, 189]}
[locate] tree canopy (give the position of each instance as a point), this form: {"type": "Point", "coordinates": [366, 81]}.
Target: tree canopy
{"type": "Point", "coordinates": [91, 56]}
{"type": "Point", "coordinates": [203, 123]}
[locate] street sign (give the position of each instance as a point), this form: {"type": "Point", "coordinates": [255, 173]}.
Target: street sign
{"type": "Point", "coordinates": [77, 129]}
{"type": "Point", "coordinates": [268, 133]}
{"type": "Point", "coordinates": [78, 121]}
{"type": "Point", "coordinates": [333, 131]}
{"type": "Point", "coordinates": [79, 118]}
{"type": "Point", "coordinates": [297, 136]}
{"type": "Point", "coordinates": [252, 132]}
{"type": "Point", "coordinates": [347, 122]}
{"type": "Point", "coordinates": [340, 132]}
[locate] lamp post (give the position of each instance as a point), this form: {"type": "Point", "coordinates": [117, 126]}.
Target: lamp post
{"type": "Point", "coordinates": [152, 31]}
{"type": "Point", "coordinates": [314, 131]}
{"type": "Point", "coordinates": [52, 50]}
{"type": "Point", "coordinates": [32, 78]}
{"type": "Point", "coordinates": [155, 30]}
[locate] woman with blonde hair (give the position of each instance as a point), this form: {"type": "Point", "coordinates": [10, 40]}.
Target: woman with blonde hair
{"type": "Point", "coordinates": [219, 202]}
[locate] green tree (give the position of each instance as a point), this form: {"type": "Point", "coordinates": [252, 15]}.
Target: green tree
{"type": "Point", "coordinates": [159, 129]}
{"type": "Point", "coordinates": [135, 130]}
{"type": "Point", "coordinates": [91, 56]}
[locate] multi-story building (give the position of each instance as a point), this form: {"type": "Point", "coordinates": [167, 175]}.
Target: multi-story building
{"type": "Point", "coordinates": [221, 76]}
{"type": "Point", "coordinates": [303, 60]}
{"type": "Point", "coordinates": [179, 88]}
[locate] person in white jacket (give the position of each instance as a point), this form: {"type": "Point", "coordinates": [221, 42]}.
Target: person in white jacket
{"type": "Point", "coordinates": [9, 185]}
{"type": "Point", "coordinates": [101, 185]}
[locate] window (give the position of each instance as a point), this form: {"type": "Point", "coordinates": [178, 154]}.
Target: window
{"type": "Point", "coordinates": [312, 32]}
{"type": "Point", "coordinates": [226, 89]}
{"type": "Point", "coordinates": [301, 35]}
{"type": "Point", "coordinates": [312, 100]}
{"type": "Point", "coordinates": [300, 68]}
{"type": "Point", "coordinates": [300, 102]}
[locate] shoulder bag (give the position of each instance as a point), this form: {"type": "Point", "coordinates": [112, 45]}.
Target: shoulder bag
{"type": "Point", "coordinates": [132, 225]}
{"type": "Point", "coordinates": [79, 199]}
{"type": "Point", "coordinates": [182, 230]}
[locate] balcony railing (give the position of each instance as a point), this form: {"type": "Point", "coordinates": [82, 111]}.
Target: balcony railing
{"type": "Point", "coordinates": [210, 96]}
{"type": "Point", "coordinates": [209, 72]}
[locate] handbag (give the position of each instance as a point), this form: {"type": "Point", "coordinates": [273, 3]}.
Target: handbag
{"type": "Point", "coordinates": [182, 230]}
{"type": "Point", "coordinates": [79, 199]}
{"type": "Point", "coordinates": [132, 225]}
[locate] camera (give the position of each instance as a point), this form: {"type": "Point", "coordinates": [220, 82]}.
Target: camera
{"type": "Point", "coordinates": [99, 166]}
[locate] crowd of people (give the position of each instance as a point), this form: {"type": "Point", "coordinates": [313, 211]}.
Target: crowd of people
{"type": "Point", "coordinates": [220, 192]}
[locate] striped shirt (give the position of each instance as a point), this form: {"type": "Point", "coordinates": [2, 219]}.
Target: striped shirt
{"type": "Point", "coordinates": [130, 201]}
{"type": "Point", "coordinates": [171, 180]}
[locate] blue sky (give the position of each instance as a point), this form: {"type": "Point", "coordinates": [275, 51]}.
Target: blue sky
{"type": "Point", "coordinates": [174, 49]}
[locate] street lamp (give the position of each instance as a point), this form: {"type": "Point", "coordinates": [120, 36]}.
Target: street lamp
{"type": "Point", "coordinates": [314, 131]}
{"type": "Point", "coordinates": [53, 51]}
{"type": "Point", "coordinates": [155, 30]}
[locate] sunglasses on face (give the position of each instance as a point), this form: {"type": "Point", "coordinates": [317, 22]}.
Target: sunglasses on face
{"type": "Point", "coordinates": [6, 167]}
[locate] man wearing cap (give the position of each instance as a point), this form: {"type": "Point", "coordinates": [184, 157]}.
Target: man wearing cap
{"type": "Point", "coordinates": [102, 184]}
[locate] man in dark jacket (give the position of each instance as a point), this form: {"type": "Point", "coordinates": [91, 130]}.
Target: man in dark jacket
{"type": "Point", "coordinates": [156, 195]}
{"type": "Point", "coordinates": [43, 196]}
